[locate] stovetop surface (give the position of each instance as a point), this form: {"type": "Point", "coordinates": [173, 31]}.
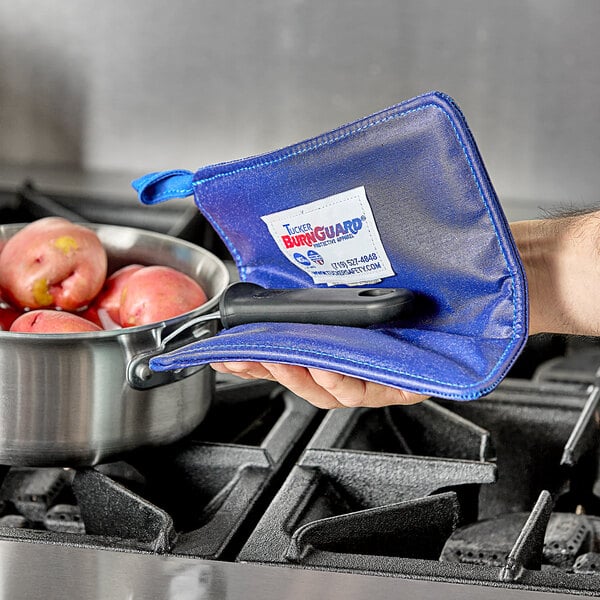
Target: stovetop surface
{"type": "Point", "coordinates": [58, 572]}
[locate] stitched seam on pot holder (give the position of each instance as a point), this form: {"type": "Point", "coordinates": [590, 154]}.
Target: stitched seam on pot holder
{"type": "Point", "coordinates": [316, 353]}
{"type": "Point", "coordinates": [317, 145]}
{"type": "Point", "coordinates": [333, 140]}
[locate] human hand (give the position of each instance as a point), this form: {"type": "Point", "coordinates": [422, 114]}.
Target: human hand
{"type": "Point", "coordinates": [323, 389]}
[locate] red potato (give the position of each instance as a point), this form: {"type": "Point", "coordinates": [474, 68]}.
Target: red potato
{"type": "Point", "coordinates": [158, 293]}
{"type": "Point", "coordinates": [109, 299]}
{"type": "Point", "coordinates": [7, 316]}
{"type": "Point", "coordinates": [52, 321]}
{"type": "Point", "coordinates": [52, 263]}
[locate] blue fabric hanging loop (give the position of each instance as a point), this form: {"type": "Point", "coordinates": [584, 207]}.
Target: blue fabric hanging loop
{"type": "Point", "coordinates": [400, 198]}
{"type": "Point", "coordinates": [154, 188]}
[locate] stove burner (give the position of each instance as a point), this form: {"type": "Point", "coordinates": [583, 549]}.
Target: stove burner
{"type": "Point", "coordinates": [64, 518]}
{"type": "Point", "coordinates": [489, 542]}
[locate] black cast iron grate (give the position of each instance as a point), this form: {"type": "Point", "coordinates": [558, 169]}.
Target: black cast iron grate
{"type": "Point", "coordinates": [499, 491]}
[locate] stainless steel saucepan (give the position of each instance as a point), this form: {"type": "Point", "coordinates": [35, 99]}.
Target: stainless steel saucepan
{"type": "Point", "coordinates": [69, 399]}
{"type": "Point", "coordinates": [81, 399]}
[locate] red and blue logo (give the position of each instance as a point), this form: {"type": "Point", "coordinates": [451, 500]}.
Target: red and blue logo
{"type": "Point", "coordinates": [315, 257]}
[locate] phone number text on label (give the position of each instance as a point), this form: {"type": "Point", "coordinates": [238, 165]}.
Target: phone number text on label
{"type": "Point", "coordinates": [354, 262]}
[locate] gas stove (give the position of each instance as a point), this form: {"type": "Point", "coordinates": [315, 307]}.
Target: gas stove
{"type": "Point", "coordinates": [270, 497]}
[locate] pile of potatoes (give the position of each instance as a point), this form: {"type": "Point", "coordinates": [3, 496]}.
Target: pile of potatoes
{"type": "Point", "coordinates": [53, 279]}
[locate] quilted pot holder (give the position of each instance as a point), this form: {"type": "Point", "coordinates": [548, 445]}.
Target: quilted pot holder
{"type": "Point", "coordinates": [399, 199]}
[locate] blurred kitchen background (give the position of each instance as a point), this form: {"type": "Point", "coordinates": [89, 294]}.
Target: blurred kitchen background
{"type": "Point", "coordinates": [93, 94]}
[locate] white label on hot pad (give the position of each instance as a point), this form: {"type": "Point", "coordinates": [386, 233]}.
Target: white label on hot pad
{"type": "Point", "coordinates": [334, 240]}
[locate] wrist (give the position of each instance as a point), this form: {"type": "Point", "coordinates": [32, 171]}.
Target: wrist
{"type": "Point", "coordinates": [538, 248]}
{"type": "Point", "coordinates": [560, 258]}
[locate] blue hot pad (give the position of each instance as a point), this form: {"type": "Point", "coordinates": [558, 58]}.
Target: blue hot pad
{"type": "Point", "coordinates": [398, 199]}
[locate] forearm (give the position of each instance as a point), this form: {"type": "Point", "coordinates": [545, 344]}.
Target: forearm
{"type": "Point", "coordinates": [562, 262]}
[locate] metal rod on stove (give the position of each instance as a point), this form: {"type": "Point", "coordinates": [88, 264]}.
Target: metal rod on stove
{"type": "Point", "coordinates": [527, 550]}
{"type": "Point", "coordinates": [571, 450]}
{"type": "Point", "coordinates": [39, 205]}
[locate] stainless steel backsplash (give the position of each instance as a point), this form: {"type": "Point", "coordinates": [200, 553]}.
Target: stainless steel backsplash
{"type": "Point", "coordinates": [146, 84]}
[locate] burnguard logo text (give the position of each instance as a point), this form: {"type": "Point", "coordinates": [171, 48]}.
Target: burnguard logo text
{"type": "Point", "coordinates": [321, 235]}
